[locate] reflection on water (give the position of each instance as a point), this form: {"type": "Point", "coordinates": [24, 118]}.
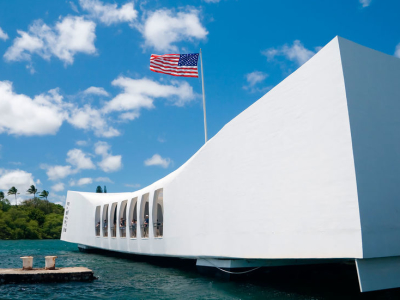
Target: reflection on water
{"type": "Point", "coordinates": [123, 278]}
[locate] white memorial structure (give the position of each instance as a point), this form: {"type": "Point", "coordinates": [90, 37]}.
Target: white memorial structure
{"type": "Point", "coordinates": [310, 173]}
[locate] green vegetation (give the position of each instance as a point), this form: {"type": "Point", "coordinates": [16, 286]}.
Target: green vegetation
{"type": "Point", "coordinates": [32, 219]}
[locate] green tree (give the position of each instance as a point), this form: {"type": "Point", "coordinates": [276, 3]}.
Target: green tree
{"type": "Point", "coordinates": [44, 194]}
{"type": "Point", "coordinates": [37, 215]}
{"type": "Point", "coordinates": [99, 189]}
{"type": "Point", "coordinates": [32, 190]}
{"type": "Point", "coordinates": [105, 189]}
{"type": "Point", "coordinates": [13, 191]}
{"type": "Point", "coordinates": [1, 196]}
{"type": "Point", "coordinates": [5, 205]}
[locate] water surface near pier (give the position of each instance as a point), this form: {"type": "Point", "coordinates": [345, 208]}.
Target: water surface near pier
{"type": "Point", "coordinates": [126, 278]}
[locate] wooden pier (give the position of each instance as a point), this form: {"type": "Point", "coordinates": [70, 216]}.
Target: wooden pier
{"type": "Point", "coordinates": [43, 275]}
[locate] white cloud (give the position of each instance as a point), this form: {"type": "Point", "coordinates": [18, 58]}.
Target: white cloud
{"type": "Point", "coordinates": [58, 187]}
{"type": "Point", "coordinates": [109, 162]}
{"type": "Point", "coordinates": [255, 77]}
{"type": "Point", "coordinates": [79, 159]}
{"type": "Point", "coordinates": [164, 28]}
{"type": "Point", "coordinates": [135, 185]}
{"type": "Point", "coordinates": [82, 143]}
{"type": "Point", "coordinates": [89, 118]}
{"type": "Point", "coordinates": [82, 181]}
{"type": "Point", "coordinates": [45, 113]}
{"type": "Point", "coordinates": [140, 93]}
{"type": "Point", "coordinates": [365, 3]}
{"type": "Point", "coordinates": [129, 116]}
{"type": "Point", "coordinates": [109, 14]}
{"type": "Point", "coordinates": [3, 35]}
{"type": "Point", "coordinates": [57, 199]}
{"type": "Point", "coordinates": [212, 1]}
{"type": "Point", "coordinates": [99, 91]}
{"type": "Point", "coordinates": [103, 179]}
{"type": "Point", "coordinates": [296, 53]}
{"type": "Point", "coordinates": [18, 178]}
{"type": "Point", "coordinates": [58, 172]}
{"type": "Point", "coordinates": [397, 52]}
{"type": "Point", "coordinates": [68, 37]}
{"type": "Point", "coordinates": [157, 160]}
{"type": "Point", "coordinates": [102, 148]}
{"type": "Point", "coordinates": [74, 7]}
{"type": "Point", "coordinates": [22, 115]}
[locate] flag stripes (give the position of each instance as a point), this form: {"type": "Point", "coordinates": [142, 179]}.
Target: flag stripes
{"type": "Point", "coordinates": [184, 65]}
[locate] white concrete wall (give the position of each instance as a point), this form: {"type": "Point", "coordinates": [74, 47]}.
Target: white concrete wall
{"type": "Point", "coordinates": [278, 181]}
{"type": "Point", "coordinates": [373, 92]}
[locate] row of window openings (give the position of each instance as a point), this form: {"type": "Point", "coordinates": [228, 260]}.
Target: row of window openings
{"type": "Point", "coordinates": [129, 224]}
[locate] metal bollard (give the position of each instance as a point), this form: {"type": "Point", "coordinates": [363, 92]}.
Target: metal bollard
{"type": "Point", "coordinates": [50, 262]}
{"type": "Point", "coordinates": [27, 262]}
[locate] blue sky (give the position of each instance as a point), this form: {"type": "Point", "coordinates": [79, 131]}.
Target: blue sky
{"type": "Point", "coordinates": [79, 106]}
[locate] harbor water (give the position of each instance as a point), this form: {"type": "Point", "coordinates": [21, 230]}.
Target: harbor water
{"type": "Point", "coordinates": [133, 278]}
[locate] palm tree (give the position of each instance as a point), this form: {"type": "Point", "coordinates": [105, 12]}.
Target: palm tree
{"type": "Point", "coordinates": [44, 194]}
{"type": "Point", "coordinates": [32, 190]}
{"type": "Point", "coordinates": [13, 191]}
{"type": "Point", "coordinates": [1, 196]}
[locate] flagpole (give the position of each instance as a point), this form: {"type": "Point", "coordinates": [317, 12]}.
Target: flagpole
{"type": "Point", "coordinates": [204, 98]}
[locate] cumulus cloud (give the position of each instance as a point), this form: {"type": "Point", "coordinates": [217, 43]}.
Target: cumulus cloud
{"type": "Point", "coordinates": [109, 14]}
{"type": "Point", "coordinates": [109, 162]}
{"type": "Point", "coordinates": [365, 3]}
{"type": "Point", "coordinates": [3, 35]}
{"type": "Point", "coordinates": [164, 28]}
{"type": "Point", "coordinates": [253, 79]}
{"type": "Point", "coordinates": [296, 53]}
{"type": "Point", "coordinates": [140, 93]}
{"type": "Point", "coordinates": [58, 172]}
{"type": "Point", "coordinates": [99, 91]}
{"type": "Point", "coordinates": [22, 115]}
{"type": "Point", "coordinates": [82, 143]}
{"type": "Point", "coordinates": [74, 7]}
{"type": "Point", "coordinates": [103, 179]}
{"type": "Point", "coordinates": [134, 185]}
{"type": "Point", "coordinates": [79, 159]}
{"type": "Point", "coordinates": [58, 187]}
{"type": "Point", "coordinates": [89, 118]}
{"type": "Point", "coordinates": [68, 37]}
{"type": "Point", "coordinates": [45, 113]}
{"type": "Point", "coordinates": [157, 160]}
{"type": "Point", "coordinates": [18, 178]}
{"type": "Point", "coordinates": [82, 181]}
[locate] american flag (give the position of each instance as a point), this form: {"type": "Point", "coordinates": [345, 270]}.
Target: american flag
{"type": "Point", "coordinates": [175, 64]}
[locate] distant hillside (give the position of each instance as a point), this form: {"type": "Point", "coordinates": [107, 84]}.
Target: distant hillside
{"type": "Point", "coordinates": [32, 219]}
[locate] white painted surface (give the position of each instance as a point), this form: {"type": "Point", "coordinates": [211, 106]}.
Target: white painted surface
{"type": "Point", "coordinates": [27, 262]}
{"type": "Point", "coordinates": [378, 273]}
{"type": "Point", "coordinates": [373, 95]}
{"type": "Point", "coordinates": [278, 181]}
{"type": "Point", "coordinates": [50, 262]}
